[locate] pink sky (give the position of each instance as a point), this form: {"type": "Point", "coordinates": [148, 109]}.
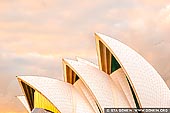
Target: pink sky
{"type": "Point", "coordinates": [36, 35]}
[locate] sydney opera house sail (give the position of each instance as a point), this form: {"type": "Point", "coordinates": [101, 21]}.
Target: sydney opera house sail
{"type": "Point", "coordinates": [122, 79]}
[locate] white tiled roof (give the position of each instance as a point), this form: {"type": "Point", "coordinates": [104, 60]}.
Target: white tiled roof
{"type": "Point", "coordinates": [150, 87]}
{"type": "Point", "coordinates": [119, 78]}
{"type": "Point", "coordinates": [59, 93]}
{"type": "Point", "coordinates": [100, 84]}
{"type": "Point", "coordinates": [79, 85]}
{"type": "Point", "coordinates": [86, 62]}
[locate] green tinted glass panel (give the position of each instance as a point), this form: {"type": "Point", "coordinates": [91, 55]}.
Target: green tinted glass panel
{"type": "Point", "coordinates": [114, 64]}
{"type": "Point", "coordinates": [77, 78]}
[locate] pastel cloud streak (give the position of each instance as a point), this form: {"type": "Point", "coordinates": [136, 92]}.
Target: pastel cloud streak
{"type": "Point", "coordinates": [35, 35]}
